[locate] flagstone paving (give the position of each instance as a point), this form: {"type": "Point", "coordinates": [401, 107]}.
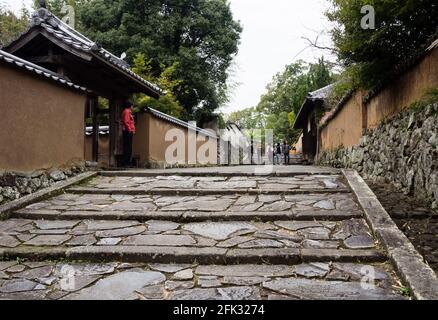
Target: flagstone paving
{"type": "Point", "coordinates": [72, 281]}
{"type": "Point", "coordinates": [288, 235]}
{"type": "Point", "coordinates": [303, 182]}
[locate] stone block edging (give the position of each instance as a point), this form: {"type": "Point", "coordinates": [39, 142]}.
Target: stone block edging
{"type": "Point", "coordinates": [181, 254]}
{"type": "Point", "coordinates": [194, 173]}
{"type": "Point", "coordinates": [201, 192]}
{"type": "Point", "coordinates": [410, 265]}
{"type": "Point", "coordinates": [6, 208]}
{"type": "Point", "coordinates": [189, 216]}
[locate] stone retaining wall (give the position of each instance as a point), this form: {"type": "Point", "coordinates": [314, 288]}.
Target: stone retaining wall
{"type": "Point", "coordinates": [402, 150]}
{"type": "Point", "coordinates": [14, 185]}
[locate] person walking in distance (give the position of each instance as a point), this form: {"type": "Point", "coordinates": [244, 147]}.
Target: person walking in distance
{"type": "Point", "coordinates": [286, 150]}
{"type": "Point", "coordinates": [278, 154]}
{"type": "Point", "coordinates": [128, 132]}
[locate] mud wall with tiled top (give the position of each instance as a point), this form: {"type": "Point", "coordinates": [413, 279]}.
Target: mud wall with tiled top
{"type": "Point", "coordinates": [346, 127]}
{"type": "Point", "coordinates": [403, 151]}
{"type": "Point", "coordinates": [150, 143]}
{"type": "Point", "coordinates": [42, 123]}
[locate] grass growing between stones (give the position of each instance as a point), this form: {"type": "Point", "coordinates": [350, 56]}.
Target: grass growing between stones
{"type": "Point", "coordinates": [430, 97]}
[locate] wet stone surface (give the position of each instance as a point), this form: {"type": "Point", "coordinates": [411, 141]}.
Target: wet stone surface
{"type": "Point", "coordinates": [188, 226]}
{"type": "Point", "coordinates": [348, 234]}
{"type": "Point", "coordinates": [123, 281]}
{"type": "Point", "coordinates": [342, 202]}
{"type": "Point", "coordinates": [205, 183]}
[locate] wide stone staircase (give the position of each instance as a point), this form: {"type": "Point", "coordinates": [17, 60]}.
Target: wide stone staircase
{"type": "Point", "coordinates": [208, 233]}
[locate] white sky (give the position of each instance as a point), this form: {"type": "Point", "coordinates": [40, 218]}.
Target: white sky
{"type": "Point", "coordinates": [271, 38]}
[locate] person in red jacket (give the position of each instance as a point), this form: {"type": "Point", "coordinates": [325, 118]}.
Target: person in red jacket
{"type": "Point", "coordinates": [128, 133]}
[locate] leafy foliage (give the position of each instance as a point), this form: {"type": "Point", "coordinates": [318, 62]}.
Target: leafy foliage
{"type": "Point", "coordinates": [196, 38]}
{"type": "Point", "coordinates": [11, 25]}
{"type": "Point", "coordinates": [167, 103]}
{"type": "Point", "coordinates": [403, 29]}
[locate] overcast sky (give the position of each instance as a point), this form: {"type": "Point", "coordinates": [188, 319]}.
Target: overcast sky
{"type": "Point", "coordinates": [271, 38]}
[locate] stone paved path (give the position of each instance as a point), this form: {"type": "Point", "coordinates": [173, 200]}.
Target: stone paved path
{"type": "Point", "coordinates": [204, 234]}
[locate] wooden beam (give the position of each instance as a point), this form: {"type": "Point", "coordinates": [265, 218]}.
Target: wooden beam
{"type": "Point", "coordinates": [22, 41]}
{"type": "Point", "coordinates": [95, 109]}
{"type": "Point", "coordinates": [81, 54]}
{"type": "Point", "coordinates": [55, 59]}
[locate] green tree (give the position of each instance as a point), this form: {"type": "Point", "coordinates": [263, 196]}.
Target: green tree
{"type": "Point", "coordinates": [247, 118]}
{"type": "Point", "coordinates": [11, 25]}
{"type": "Point", "coordinates": [285, 95]}
{"type": "Point", "coordinates": [403, 28]}
{"type": "Point", "coordinates": [289, 88]}
{"type": "Point", "coordinates": [199, 38]}
{"type": "Point", "coordinates": [167, 103]}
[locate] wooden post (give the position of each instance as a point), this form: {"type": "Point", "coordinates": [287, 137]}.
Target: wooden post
{"type": "Point", "coordinates": [94, 104]}
{"type": "Point", "coordinates": [112, 128]}
{"type": "Point", "coordinates": [116, 141]}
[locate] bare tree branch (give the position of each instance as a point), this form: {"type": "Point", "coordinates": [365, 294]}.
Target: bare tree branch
{"type": "Point", "coordinates": [314, 44]}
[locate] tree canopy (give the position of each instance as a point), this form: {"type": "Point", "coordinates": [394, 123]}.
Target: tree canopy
{"type": "Point", "coordinates": [197, 38]}
{"type": "Point", "coordinates": [402, 29]}
{"type": "Point", "coordinates": [11, 25]}
{"type": "Point", "coordinates": [167, 103]}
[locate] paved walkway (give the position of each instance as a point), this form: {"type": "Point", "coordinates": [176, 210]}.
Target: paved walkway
{"type": "Point", "coordinates": [215, 233]}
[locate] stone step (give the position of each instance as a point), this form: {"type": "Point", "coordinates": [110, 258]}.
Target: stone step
{"type": "Point", "coordinates": [338, 206]}
{"type": "Point", "coordinates": [88, 281]}
{"type": "Point", "coordinates": [189, 216]}
{"type": "Point", "coordinates": [207, 255]}
{"type": "Point", "coordinates": [201, 192]}
{"type": "Point", "coordinates": [228, 171]}
{"type": "Point", "coordinates": [191, 185]}
{"type": "Point", "coordinates": [231, 242]}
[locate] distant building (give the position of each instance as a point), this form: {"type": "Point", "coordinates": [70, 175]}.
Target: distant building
{"type": "Point", "coordinates": [233, 143]}
{"type": "Point", "coordinates": [307, 121]}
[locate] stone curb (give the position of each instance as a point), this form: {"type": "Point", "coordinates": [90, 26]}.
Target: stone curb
{"type": "Point", "coordinates": [5, 210]}
{"type": "Point", "coordinates": [200, 192]}
{"type": "Point", "coordinates": [189, 216]}
{"type": "Point", "coordinates": [419, 277]}
{"type": "Point", "coordinates": [218, 256]}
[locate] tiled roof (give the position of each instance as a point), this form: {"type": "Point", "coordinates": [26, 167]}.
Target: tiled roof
{"type": "Point", "coordinates": [74, 39]}
{"type": "Point", "coordinates": [29, 66]}
{"type": "Point", "coordinates": [433, 45]}
{"type": "Point", "coordinates": [322, 93]}
{"type": "Point", "coordinates": [179, 122]}
{"type": "Point", "coordinates": [231, 126]}
{"type": "Point", "coordinates": [103, 130]}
